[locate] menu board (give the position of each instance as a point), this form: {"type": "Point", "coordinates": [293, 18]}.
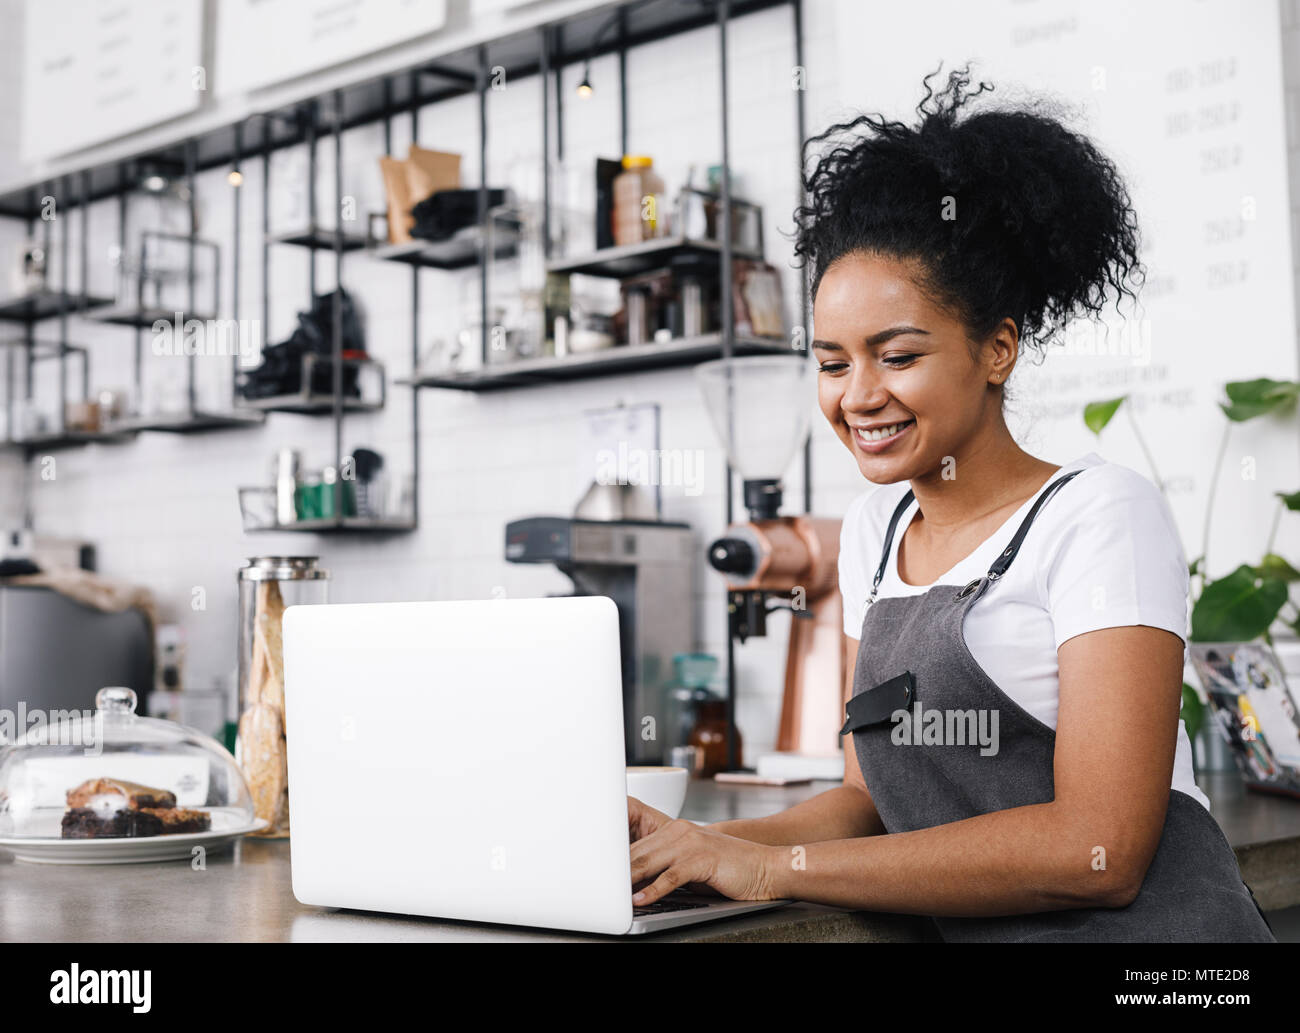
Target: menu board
{"type": "Point", "coordinates": [260, 42]}
{"type": "Point", "coordinates": [1190, 107]}
{"type": "Point", "coordinates": [97, 69]}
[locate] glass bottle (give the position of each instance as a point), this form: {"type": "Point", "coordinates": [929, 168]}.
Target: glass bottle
{"type": "Point", "coordinates": [709, 736]}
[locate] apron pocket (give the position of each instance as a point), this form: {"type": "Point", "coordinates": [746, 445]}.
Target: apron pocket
{"type": "Point", "coordinates": [879, 703]}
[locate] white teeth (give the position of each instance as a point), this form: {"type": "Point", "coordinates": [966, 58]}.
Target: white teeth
{"type": "Point", "coordinates": [883, 432]}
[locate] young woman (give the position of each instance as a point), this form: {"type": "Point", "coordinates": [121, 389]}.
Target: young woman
{"type": "Point", "coordinates": [1044, 605]}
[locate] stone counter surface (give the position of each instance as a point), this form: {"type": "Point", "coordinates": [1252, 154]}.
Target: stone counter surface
{"type": "Point", "coordinates": [245, 894]}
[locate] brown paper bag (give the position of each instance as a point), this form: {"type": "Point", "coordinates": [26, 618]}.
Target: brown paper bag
{"type": "Point", "coordinates": [430, 171]}
{"type": "Point", "coordinates": [399, 200]}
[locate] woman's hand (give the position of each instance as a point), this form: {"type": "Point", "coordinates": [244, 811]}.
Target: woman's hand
{"type": "Point", "coordinates": [642, 819]}
{"type": "Point", "coordinates": [680, 853]}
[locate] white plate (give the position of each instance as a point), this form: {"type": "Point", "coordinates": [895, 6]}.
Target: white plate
{"type": "Point", "coordinates": [125, 850]}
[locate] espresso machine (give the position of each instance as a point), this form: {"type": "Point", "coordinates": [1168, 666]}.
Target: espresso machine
{"type": "Point", "coordinates": [645, 567]}
{"type": "Point", "coordinates": [760, 408]}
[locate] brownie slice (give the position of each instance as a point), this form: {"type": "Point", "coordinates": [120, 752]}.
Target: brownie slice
{"type": "Point", "coordinates": [176, 820]}
{"type": "Point", "coordinates": [86, 823]}
{"type": "Point", "coordinates": [104, 792]}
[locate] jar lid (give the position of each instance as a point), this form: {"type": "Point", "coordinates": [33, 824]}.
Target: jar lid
{"type": "Point", "coordinates": [637, 161]}
{"type": "Point", "coordinates": [695, 670]}
{"type": "Point", "coordinates": [283, 568]}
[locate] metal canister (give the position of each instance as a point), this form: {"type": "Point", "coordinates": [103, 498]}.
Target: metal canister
{"type": "Point", "coordinates": [287, 466]}
{"type": "Point", "coordinates": [637, 313]}
{"type": "Point", "coordinates": [267, 585]}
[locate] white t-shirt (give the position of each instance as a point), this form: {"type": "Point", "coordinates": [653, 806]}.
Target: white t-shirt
{"type": "Point", "coordinates": [1103, 552]}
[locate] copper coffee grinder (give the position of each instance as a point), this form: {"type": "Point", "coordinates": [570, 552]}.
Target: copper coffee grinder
{"type": "Point", "coordinates": [760, 408]}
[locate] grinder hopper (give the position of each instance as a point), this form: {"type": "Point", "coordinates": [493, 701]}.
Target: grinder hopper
{"type": "Point", "coordinates": [760, 408]}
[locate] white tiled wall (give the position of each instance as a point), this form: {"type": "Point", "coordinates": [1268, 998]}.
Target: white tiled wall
{"type": "Point", "coordinates": [162, 510]}
{"type": "Point", "coordinates": [1290, 15]}
{"type": "Point", "coordinates": [10, 77]}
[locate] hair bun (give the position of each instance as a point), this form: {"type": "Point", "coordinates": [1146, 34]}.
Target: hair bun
{"type": "Point", "coordinates": [1008, 211]}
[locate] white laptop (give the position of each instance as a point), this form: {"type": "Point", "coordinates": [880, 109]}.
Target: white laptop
{"type": "Point", "coordinates": [464, 760]}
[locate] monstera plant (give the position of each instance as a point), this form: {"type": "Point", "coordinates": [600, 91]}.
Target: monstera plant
{"type": "Point", "coordinates": [1246, 603]}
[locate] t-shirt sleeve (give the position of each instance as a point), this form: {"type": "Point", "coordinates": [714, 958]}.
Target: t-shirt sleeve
{"type": "Point", "coordinates": [853, 585]}
{"type": "Point", "coordinates": [1117, 560]}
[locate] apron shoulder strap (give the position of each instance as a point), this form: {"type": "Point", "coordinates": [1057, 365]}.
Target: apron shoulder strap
{"type": "Point", "coordinates": [889, 539]}
{"type": "Point", "coordinates": [1003, 561]}
{"type": "Point", "coordinates": [1008, 554]}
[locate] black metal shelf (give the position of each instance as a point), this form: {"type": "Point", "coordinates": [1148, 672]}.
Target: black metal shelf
{"type": "Point", "coordinates": [144, 319]}
{"type": "Point", "coordinates": [58, 440]}
{"type": "Point", "coordinates": [308, 404]}
{"type": "Point", "coordinates": [190, 423]}
{"type": "Point", "coordinates": [318, 239]}
{"type": "Point", "coordinates": [46, 304]}
{"type": "Point", "coordinates": [606, 362]}
{"type": "Point", "coordinates": [460, 252]}
{"type": "Point", "coordinates": [334, 525]}
{"type": "Point", "coordinates": [632, 259]}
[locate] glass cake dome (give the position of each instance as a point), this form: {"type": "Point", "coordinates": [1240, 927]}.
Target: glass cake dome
{"type": "Point", "coordinates": [112, 774]}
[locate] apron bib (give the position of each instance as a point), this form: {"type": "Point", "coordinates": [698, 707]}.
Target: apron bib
{"type": "Point", "coordinates": [913, 654]}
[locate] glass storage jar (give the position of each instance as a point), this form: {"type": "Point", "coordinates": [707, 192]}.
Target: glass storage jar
{"type": "Point", "coordinates": [689, 688]}
{"type": "Point", "coordinates": [640, 209]}
{"type": "Point", "coordinates": [267, 585]}
{"type": "Point", "coordinates": [113, 774]}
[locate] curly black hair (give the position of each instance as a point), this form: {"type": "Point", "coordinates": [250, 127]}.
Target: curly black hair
{"type": "Point", "coordinates": [1043, 230]}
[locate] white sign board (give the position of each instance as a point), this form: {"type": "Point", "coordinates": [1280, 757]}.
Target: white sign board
{"type": "Point", "coordinates": [260, 42]}
{"type": "Point", "coordinates": [97, 70]}
{"type": "Point", "coordinates": [1187, 99]}
{"type": "Point", "coordinates": [620, 445]}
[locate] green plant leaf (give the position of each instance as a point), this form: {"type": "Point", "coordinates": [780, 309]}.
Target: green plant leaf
{"type": "Point", "coordinates": [1194, 567]}
{"type": "Point", "coordinates": [1240, 412]}
{"type": "Point", "coordinates": [1237, 608]}
{"type": "Point", "coordinates": [1250, 398]}
{"type": "Point", "coordinates": [1097, 414]}
{"type": "Point", "coordinates": [1292, 500]}
{"type": "Point", "coordinates": [1273, 565]}
{"type": "Point", "coordinates": [1193, 710]}
{"type": "Point", "coordinates": [1262, 389]}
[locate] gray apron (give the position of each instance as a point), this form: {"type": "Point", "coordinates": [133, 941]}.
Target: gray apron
{"type": "Point", "coordinates": [912, 651]}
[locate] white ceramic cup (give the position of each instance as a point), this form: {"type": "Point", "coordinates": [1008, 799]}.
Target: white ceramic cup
{"type": "Point", "coordinates": [664, 789]}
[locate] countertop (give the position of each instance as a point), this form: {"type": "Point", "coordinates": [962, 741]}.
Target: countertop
{"type": "Point", "coordinates": [244, 893]}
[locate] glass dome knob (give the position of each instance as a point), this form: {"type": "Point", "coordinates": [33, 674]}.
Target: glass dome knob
{"type": "Point", "coordinates": [116, 699]}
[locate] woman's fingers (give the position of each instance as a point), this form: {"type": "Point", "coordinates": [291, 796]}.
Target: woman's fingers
{"type": "Point", "coordinates": [666, 860]}
{"type": "Point", "coordinates": [661, 887]}
{"type": "Point", "coordinates": [633, 818]}
{"type": "Point", "coordinates": [682, 854]}
{"type": "Point", "coordinates": [642, 820]}
{"type": "Point", "coordinates": [639, 821]}
{"type": "Point", "coordinates": [653, 849]}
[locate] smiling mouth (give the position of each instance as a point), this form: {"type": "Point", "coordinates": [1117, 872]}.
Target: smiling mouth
{"type": "Point", "coordinates": [879, 440]}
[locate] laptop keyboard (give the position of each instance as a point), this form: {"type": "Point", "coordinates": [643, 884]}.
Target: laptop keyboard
{"type": "Point", "coordinates": [661, 907]}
